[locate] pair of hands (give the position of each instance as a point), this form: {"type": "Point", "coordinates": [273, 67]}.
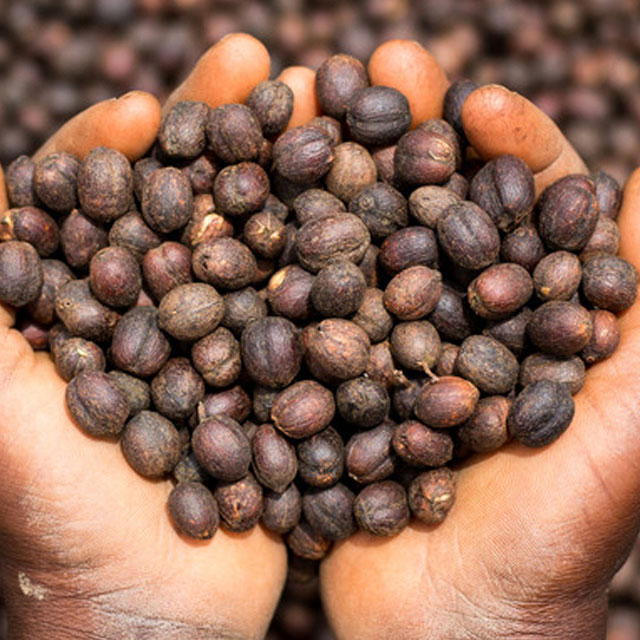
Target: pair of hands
{"type": "Point", "coordinates": [527, 551]}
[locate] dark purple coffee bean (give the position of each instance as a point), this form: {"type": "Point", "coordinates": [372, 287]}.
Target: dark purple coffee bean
{"type": "Point", "coordinates": [137, 391]}
{"type": "Point", "coordinates": [302, 409]}
{"type": "Point", "coordinates": [115, 277]}
{"type": "Point", "coordinates": [182, 132]}
{"type": "Point", "coordinates": [131, 232]}
{"type": "Point", "coordinates": [201, 173]}
{"type": "Point", "coordinates": [272, 102]}
{"type": "Point", "coordinates": [557, 276]}
{"type": "Point", "coordinates": [605, 338]}
{"type": "Point", "coordinates": [167, 200]}
{"type": "Point", "coordinates": [321, 458]}
{"type": "Point", "coordinates": [274, 459]}
{"type": "Point", "coordinates": [486, 429]}
{"type": "Point", "coordinates": [77, 355]}
{"type": "Point", "coordinates": [305, 542]}
{"type": "Point", "coordinates": [338, 289]}
{"type": "Point", "coordinates": [452, 317]}
{"type": "Point", "coordinates": [239, 503]}
{"type": "Point", "coordinates": [369, 456]}
{"type": "Point", "coordinates": [523, 246]}
{"type": "Point", "coordinates": [242, 307]}
{"type": "Point", "coordinates": [21, 273]}
{"type": "Point", "coordinates": [608, 194]}
{"type": "Point", "coordinates": [610, 282]}
{"type": "Point", "coordinates": [32, 225]}
{"type": "Point", "coordinates": [453, 100]}
{"type": "Point", "coordinates": [55, 274]}
{"type": "Point", "coordinates": [289, 292]}
{"type": "Point", "coordinates": [281, 511]}
{"type": "Point", "coordinates": [500, 291]}
{"type": "Point", "coordinates": [512, 332]}
{"type": "Point", "coordinates": [381, 508]}
{"type": "Point", "coordinates": [431, 495]}
{"type": "Point", "coordinates": [165, 267]}
{"type": "Point", "coordinates": [419, 446]}
{"type": "Point", "coordinates": [19, 180]}
{"type": "Point", "coordinates": [302, 154]}
{"type": "Point", "coordinates": [233, 402]}
{"type": "Point", "coordinates": [234, 133]}
{"type": "Point", "coordinates": [193, 510]}
{"type": "Point", "coordinates": [338, 78]}
{"type": "Point", "coordinates": [560, 328]}
{"type": "Point", "coordinates": [566, 369]}
{"type": "Point", "coordinates": [330, 511]}
{"type": "Point", "coordinates": [177, 389]}
{"type": "Point", "coordinates": [362, 402]}
{"type": "Point", "coordinates": [240, 189]}
{"type": "Point", "coordinates": [382, 208]}
{"type": "Point", "coordinates": [409, 247]}
{"type": "Point", "coordinates": [54, 181]}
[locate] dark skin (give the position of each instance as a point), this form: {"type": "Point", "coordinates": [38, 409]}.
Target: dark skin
{"type": "Point", "coordinates": [527, 551]}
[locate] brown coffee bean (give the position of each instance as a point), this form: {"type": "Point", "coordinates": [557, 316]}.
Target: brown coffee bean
{"type": "Point", "coordinates": [452, 317]}
{"type": "Point", "coordinates": [201, 173]}
{"type": "Point", "coordinates": [409, 247]}
{"type": "Point", "coordinates": [330, 511]}
{"type": "Point", "coordinates": [193, 510]}
{"type": "Point", "coordinates": [557, 276]}
{"type": "Point", "coordinates": [274, 459]}
{"type": "Point", "coordinates": [338, 289]}
{"type": "Point", "coordinates": [512, 332]}
{"type": "Point", "coordinates": [415, 345]}
{"type": "Point", "coordinates": [383, 157]}
{"type": "Point", "coordinates": [316, 203]}
{"type": "Point", "coordinates": [281, 511]}
{"type": "Point", "coordinates": [605, 338]}
{"type": "Point", "coordinates": [114, 276]}
{"type": "Point", "coordinates": [362, 402]}
{"type": "Point", "coordinates": [608, 194]}
{"type": "Point", "coordinates": [338, 78]}
{"type": "Point", "coordinates": [352, 169]}
{"type": "Point", "coordinates": [500, 291]}
{"type": "Point", "coordinates": [224, 262]}
{"type": "Point", "coordinates": [445, 366]}
{"type": "Point", "coordinates": [142, 169]}
{"type": "Point", "coordinates": [382, 369]}
{"type": "Point", "coordinates": [605, 239]}
{"type": "Point", "coordinates": [305, 542]}
{"type": "Point", "coordinates": [54, 181]}
{"type": "Point", "coordinates": [369, 456]}
{"type": "Point", "coordinates": [80, 239]}
{"type": "Point", "coordinates": [182, 133]}
{"type": "Point", "coordinates": [382, 208]}
{"type": "Point", "coordinates": [240, 189]}
{"type": "Point", "coordinates": [272, 102]}
{"type": "Point", "coordinates": [55, 274]}
{"type": "Point", "coordinates": [239, 504]}
{"type": "Point", "coordinates": [566, 369]}
{"type": "Point", "coordinates": [560, 328]}
{"type": "Point", "coordinates": [233, 402]}
{"type": "Point", "coordinates": [167, 200]}
{"type": "Point", "coordinates": [58, 335]}
{"type": "Point", "coordinates": [32, 225]}
{"type": "Point", "coordinates": [458, 184]}
{"type": "Point", "coordinates": [413, 293]}
{"type": "Point", "coordinates": [137, 391]}
{"type": "Point", "coordinates": [429, 203]}
{"type": "Point", "coordinates": [205, 223]}
{"type": "Point", "coordinates": [431, 495]}
{"type": "Point", "coordinates": [241, 308]}
{"type": "Point", "coordinates": [21, 273]}
{"type": "Point", "coordinates": [165, 267]}
{"type": "Point", "coordinates": [234, 133]}
{"type": "Point", "coordinates": [289, 292]}
{"type": "Point", "coordinates": [523, 246]}
{"type": "Point", "coordinates": [77, 355]}
{"type": "Point", "coordinates": [330, 126]}
{"type": "Point", "coordinates": [177, 389]}
{"type": "Point", "coordinates": [302, 154]}
{"type": "Point", "coordinates": [302, 409]}
{"type": "Point", "coordinates": [486, 429]}
{"type": "Point", "coordinates": [381, 509]}
{"type": "Point", "coordinates": [131, 232]}
{"type": "Point", "coordinates": [446, 403]}
{"type": "Point", "coordinates": [404, 398]}
{"type": "Point", "coordinates": [610, 282]}
{"type": "Point", "coordinates": [372, 316]}
{"type": "Point", "coordinates": [216, 356]}
{"type": "Point", "coordinates": [264, 234]}
{"type": "Point", "coordinates": [419, 446]}
{"type": "Point", "coordinates": [19, 181]}
{"type": "Point", "coordinates": [321, 458]}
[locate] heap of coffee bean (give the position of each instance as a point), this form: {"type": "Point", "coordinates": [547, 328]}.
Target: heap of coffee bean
{"type": "Point", "coordinates": [307, 327]}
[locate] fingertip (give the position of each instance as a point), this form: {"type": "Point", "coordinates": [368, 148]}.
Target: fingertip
{"type": "Point", "coordinates": [4, 201]}
{"type": "Point", "coordinates": [302, 81]}
{"type": "Point", "coordinates": [406, 66]}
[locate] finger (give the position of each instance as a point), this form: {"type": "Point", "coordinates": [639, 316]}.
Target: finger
{"type": "Point", "coordinates": [226, 73]}
{"type": "Point", "coordinates": [412, 70]}
{"type": "Point", "coordinates": [302, 81]}
{"type": "Point", "coordinates": [499, 121]}
{"type": "Point", "coordinates": [628, 220]}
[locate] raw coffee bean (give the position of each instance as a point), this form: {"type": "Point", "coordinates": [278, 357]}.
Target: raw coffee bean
{"type": "Point", "coordinates": [137, 391]}
{"type": "Point", "coordinates": [453, 100]}
{"type": "Point", "coordinates": [409, 247]}
{"type": "Point", "coordinates": [512, 332]}
{"type": "Point", "coordinates": [504, 189]}
{"type": "Point", "coordinates": [458, 184]}
{"type": "Point", "coordinates": [167, 200]}
{"type": "Point", "coordinates": [182, 133]}
{"type": "Point", "coordinates": [351, 170]}
{"type": "Point", "coordinates": [382, 208]}
{"type": "Point", "coordinates": [302, 154]}
{"type": "Point", "coordinates": [451, 316]}
{"type": "Point", "coordinates": [338, 289]}
{"type": "Point", "coordinates": [187, 469]}
{"type": "Point", "coordinates": [105, 184]}
{"type": "Point", "coordinates": [302, 409]}
{"type": "Point", "coordinates": [201, 173]}
{"type": "Point", "coordinates": [205, 223]}
{"type": "Point", "coordinates": [377, 115]}
{"type": "Point", "coordinates": [19, 182]}
{"type": "Point", "coordinates": [54, 181]}
{"type": "Point", "coordinates": [381, 509]}
{"type": "Point", "coordinates": [500, 291]}
{"type": "Point", "coordinates": [58, 335]}
{"type": "Point", "coordinates": [142, 169]}
{"type": "Point", "coordinates": [165, 267]}
{"type": "Point", "coordinates": [428, 204]}
{"type": "Point", "coordinates": [486, 429]}
{"type": "Point", "coordinates": [234, 133]}
{"type": "Point", "coordinates": [239, 503]}
{"type": "Point", "coordinates": [264, 234]}
{"type": "Point", "coordinates": [272, 102]}
{"type": "Point", "coordinates": [319, 242]}
{"type": "Point", "coordinates": [330, 511]}
{"type": "Point", "coordinates": [193, 510]}
{"type": "Point", "coordinates": [413, 293]}
{"type": "Point", "coordinates": [274, 459]}
{"type": "Point", "coordinates": [605, 239]}
{"type": "Point", "coordinates": [608, 194]}
{"type": "Point", "coordinates": [338, 78]}
{"type": "Point", "coordinates": [382, 369]}
{"type": "Point", "coordinates": [541, 413]}
{"type": "Point", "coordinates": [369, 456]}
{"type": "Point", "coordinates": [330, 126]}
{"type": "Point", "coordinates": [233, 402]}
{"type": "Point", "coordinates": [321, 458]}
{"type": "Point", "coordinates": [21, 273]}
{"type": "Point", "coordinates": [447, 360]}
{"type": "Point", "coordinates": [446, 403]}
{"type": "Point", "coordinates": [431, 495]}
{"type": "Point", "coordinates": [241, 308]}
{"type": "Point", "coordinates": [566, 369]}
{"type": "Point", "coordinates": [560, 328]}
{"type": "Point", "coordinates": [313, 204]}
{"type": "Point", "coordinates": [383, 157]}
{"type": "Point", "coordinates": [271, 351]}
{"type": "Point", "coordinates": [362, 402]}
{"type": "Point", "coordinates": [115, 277]}
{"type": "Point", "coordinates": [568, 213]}
{"type": "Point", "coordinates": [610, 282]}
{"type": "Point", "coordinates": [605, 338]}
{"type": "Point", "coordinates": [372, 316]}
{"type": "Point", "coordinates": [262, 403]}
{"type": "Point", "coordinates": [224, 262]}
{"type": "Point", "coordinates": [369, 266]}
{"type": "Point", "coordinates": [557, 276]}
{"type": "Point", "coordinates": [177, 389]}
{"type": "Point", "coordinates": [190, 311]}
{"type": "Point", "coordinates": [131, 232]}
{"type": "Point", "coordinates": [415, 345]}
{"type": "Point", "coordinates": [289, 292]}
{"type": "Point", "coordinates": [523, 246]}
{"type": "Point", "coordinates": [404, 398]}
{"type": "Point", "coordinates": [80, 239]}
{"type": "Point", "coordinates": [337, 350]}
{"type": "Point", "coordinates": [305, 542]}
{"type": "Point", "coordinates": [419, 446]}
{"type": "Point", "coordinates": [281, 511]}
{"type": "Point", "coordinates": [217, 358]}
{"type": "Point", "coordinates": [138, 346]}
{"type": "Point", "coordinates": [96, 403]}
{"type": "Point", "coordinates": [468, 236]}
{"type": "Point", "coordinates": [151, 444]}
{"type": "Point", "coordinates": [32, 225]}
{"type": "Point", "coordinates": [77, 355]}
{"type": "Point", "coordinates": [55, 274]}
{"type": "Point", "coordinates": [222, 448]}
{"type": "Point", "coordinates": [240, 189]}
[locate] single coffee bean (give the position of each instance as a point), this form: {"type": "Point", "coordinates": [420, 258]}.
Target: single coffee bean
{"type": "Point", "coordinates": [369, 266]}
{"type": "Point", "coordinates": [55, 179]}
{"type": "Point", "coordinates": [500, 291]}
{"type": "Point", "coordinates": [610, 282]}
{"type": "Point", "coordinates": [362, 402]}
{"type": "Point", "coordinates": [446, 403]}
{"type": "Point", "coordinates": [313, 204]}
{"type": "Point", "coordinates": [560, 328]}
{"type": "Point", "coordinates": [604, 239]}
{"type": "Point", "coordinates": [523, 246]}
{"type": "Point", "coordinates": [429, 203]}
{"type": "Point", "coordinates": [131, 232]}
{"type": "Point", "coordinates": [115, 277]}
{"type": "Point", "coordinates": [55, 274]}
{"type": "Point", "coordinates": [76, 355]}
{"type": "Point", "coordinates": [369, 456]}
{"type": "Point", "coordinates": [384, 157]}
{"type": "Point", "coordinates": [512, 332]}
{"type": "Point", "coordinates": [338, 78]}
{"type": "Point", "coordinates": [187, 469]}
{"type": "Point", "coordinates": [486, 429]}
{"type": "Point", "coordinates": [272, 102]}
{"type": "Point", "coordinates": [305, 542]}
{"type": "Point", "coordinates": [274, 459]}
{"type": "Point", "coordinates": [264, 234]}
{"type": "Point", "coordinates": [445, 366]}
{"type": "Point", "coordinates": [32, 225]}
{"type": "Point", "coordinates": [224, 262]}
{"type": "Point", "coordinates": [330, 511]}
{"type": "Point", "coordinates": [239, 503]}
{"type": "Point", "coordinates": [381, 508]}
{"type": "Point", "coordinates": [58, 335]}
{"type": "Point", "coordinates": [234, 133]}
{"type": "Point", "coordinates": [217, 358]}
{"type": "Point", "coordinates": [21, 273]}
{"type": "Point", "coordinates": [557, 276]}
{"type": "Point", "coordinates": [382, 368]}
{"type": "Point", "coordinates": [165, 267]}
{"type": "Point", "coordinates": [431, 495]}
{"type": "Point", "coordinates": [177, 389]}
{"type": "Point", "coordinates": [541, 413]}
{"type": "Point", "coordinates": [338, 289]}
{"type": "Point", "coordinates": [302, 154]}
{"type": "Point", "coordinates": [281, 511]}
{"type": "Point", "coordinates": [303, 408]}
{"type": "Point", "coordinates": [240, 189]}
{"type": "Point", "coordinates": [372, 316]}
{"type": "Point", "coordinates": [167, 200]}
{"type": "Point", "coordinates": [193, 510]}
{"type": "Point", "coordinates": [201, 173]}
{"type": "Point", "coordinates": [289, 292]}
{"type": "Point", "coordinates": [142, 169]}
{"type": "Point", "coordinates": [321, 458]}
{"type": "Point", "coordinates": [382, 208]}
{"type": "Point", "coordinates": [233, 402]}
{"type": "Point", "coordinates": [262, 402]}
{"type": "Point", "coordinates": [409, 247]}
{"type": "Point", "coordinates": [413, 293]}
{"type": "Point", "coordinates": [19, 181]}
{"type": "Point", "coordinates": [419, 446]}
{"type": "Point", "coordinates": [608, 194]}
{"type": "Point", "coordinates": [605, 338]}
{"type": "Point", "coordinates": [330, 126]}
{"type": "Point", "coordinates": [182, 134]}
{"type": "Point", "coordinates": [241, 308]}
{"type": "Point", "coordinates": [453, 100]}
{"type": "Point", "coordinates": [569, 370]}
{"type": "Point", "coordinates": [415, 345]}
{"type": "Point", "coordinates": [452, 317]}
{"type": "Point", "coordinates": [80, 239]}
{"type": "Point", "coordinates": [351, 170]}
{"type": "Point", "coordinates": [458, 184]}
{"type": "Point", "coordinates": [137, 391]}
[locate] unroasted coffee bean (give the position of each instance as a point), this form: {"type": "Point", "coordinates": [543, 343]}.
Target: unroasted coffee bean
{"type": "Point", "coordinates": [32, 225]}
{"type": "Point", "coordinates": [114, 276]}
{"type": "Point", "coordinates": [338, 289]}
{"type": "Point", "coordinates": [381, 508]}
{"type": "Point", "coordinates": [58, 335]}
{"type": "Point", "coordinates": [362, 402]}
{"type": "Point", "coordinates": [407, 248]}
{"type": "Point", "coordinates": [504, 189]}
{"type": "Point", "coordinates": [452, 317]}
{"type": "Point", "coordinates": [96, 403]}
{"type": "Point", "coordinates": [216, 356]}
{"type": "Point", "coordinates": [224, 262]}
{"type": "Point", "coordinates": [316, 203]}
{"type": "Point", "coordinates": [272, 102]}
{"type": "Point", "coordinates": [54, 181]}
{"type": "Point", "coordinates": [182, 132]}
{"type": "Point", "coordinates": [541, 413]}
{"type": "Point", "coordinates": [233, 402]}
{"type": "Point", "coordinates": [241, 308]}
{"type": "Point", "coordinates": [560, 328]}
{"type": "Point", "coordinates": [271, 351]}
{"type": "Point", "coordinates": [486, 429]}
{"type": "Point", "coordinates": [240, 189]}
{"type": "Point", "coordinates": [136, 390]}
{"type": "Point", "coordinates": [289, 292]}
{"type": "Point", "coordinates": [337, 350]}
{"type": "Point", "coordinates": [330, 126]}
{"type": "Point", "coordinates": [352, 169]}
{"type": "Point", "coordinates": [610, 282]}
{"type": "Point", "coordinates": [80, 239]}
{"type": "Point", "coordinates": [302, 409]}
{"type": "Point", "coordinates": [165, 267]}
{"type": "Point", "coordinates": [281, 511]}
{"type": "Point", "coordinates": [445, 366]}
{"type": "Point", "coordinates": [177, 389]}
{"type": "Point", "coordinates": [263, 399]}
{"type": "Point", "coordinates": [468, 236]}
{"type": "Point", "coordinates": [383, 158]}
{"type": "Point", "coordinates": [608, 194]}
{"type": "Point", "coordinates": [512, 332]}
{"type": "Point", "coordinates": [239, 503]}
{"type": "Point", "coordinates": [338, 78]}
{"type": "Point", "coordinates": [404, 398]}
{"type": "Point", "coordinates": [605, 338]}
{"type": "Point", "coordinates": [382, 369]}
{"type": "Point", "coordinates": [523, 246]}
{"type": "Point", "coordinates": [305, 542]}
{"type": "Point", "coordinates": [369, 266]}
{"type": "Point", "coordinates": [568, 213]}
{"type": "Point", "coordinates": [193, 510]}
{"type": "Point", "coordinates": [500, 291]}
{"type": "Point", "coordinates": [446, 403]}
{"type": "Point", "coordinates": [372, 316]}
{"type": "Point", "coordinates": [19, 181]}
{"type": "Point", "coordinates": [151, 444]}
{"type": "Point", "coordinates": [138, 346]}
{"type": "Point", "coordinates": [415, 345]}
{"type": "Point", "coordinates": [131, 232]}
{"type": "Point", "coordinates": [569, 370]}
{"type": "Point", "coordinates": [201, 173]}
{"type": "Point", "coordinates": [458, 184]}
{"type": "Point", "coordinates": [382, 208]}
{"type": "Point", "coordinates": [205, 223]}
{"type": "Point", "coordinates": [264, 234]}
{"type": "Point", "coordinates": [330, 511]}
{"type": "Point", "coordinates": [369, 456]}
{"type": "Point", "coordinates": [557, 276]}
{"type": "Point", "coordinates": [420, 446]}
{"type": "Point", "coordinates": [187, 469]}
{"type": "Point", "coordinates": [234, 133]}
{"type": "Point", "coordinates": [321, 241]}
{"type": "Point", "coordinates": [274, 459]}
{"type": "Point", "coordinates": [302, 154]}
{"type": "Point", "coordinates": [453, 100]}
{"type": "Point", "coordinates": [190, 311]}
{"type": "Point", "coordinates": [413, 293]}
{"type": "Point", "coordinates": [429, 203]}
{"type": "Point", "coordinates": [321, 458]}
{"type": "Point", "coordinates": [21, 273]}
{"type": "Point", "coordinates": [77, 355]}
{"type": "Point", "coordinates": [167, 200]}
{"type": "Point", "coordinates": [105, 184]}
{"type": "Point", "coordinates": [431, 495]}
{"type": "Point", "coordinates": [222, 448]}
{"type": "Point", "coordinates": [604, 239]}
{"type": "Point", "coordinates": [142, 169]}
{"type": "Point", "coordinates": [55, 274]}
